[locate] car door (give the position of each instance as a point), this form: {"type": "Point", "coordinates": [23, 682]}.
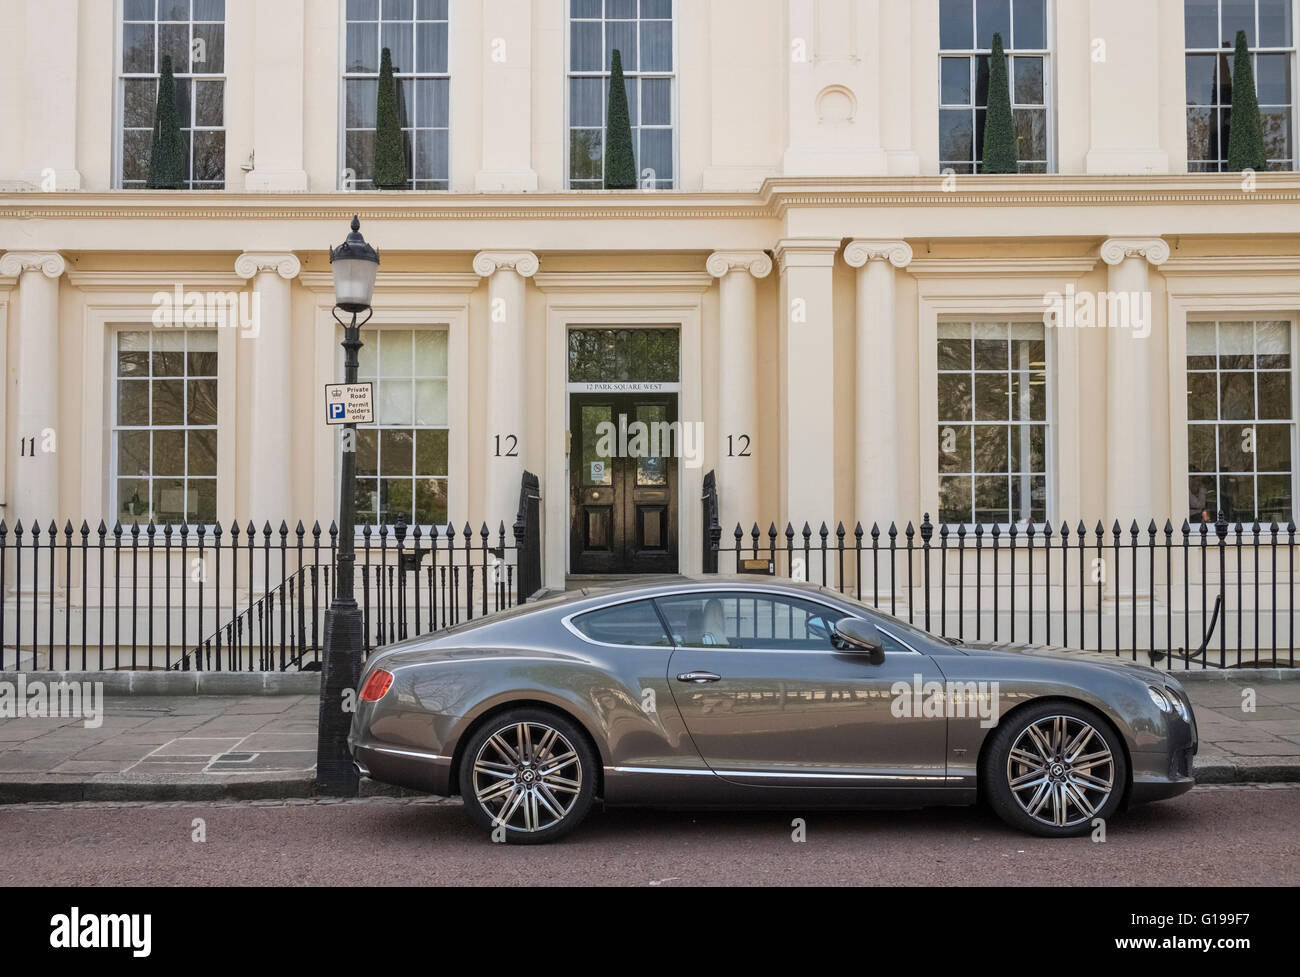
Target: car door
{"type": "Point", "coordinates": [770, 702]}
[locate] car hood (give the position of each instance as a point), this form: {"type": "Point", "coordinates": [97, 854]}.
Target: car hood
{"type": "Point", "coordinates": [1090, 659]}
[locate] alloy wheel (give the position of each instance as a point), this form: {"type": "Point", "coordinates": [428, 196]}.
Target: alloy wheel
{"type": "Point", "coordinates": [527, 776]}
{"type": "Point", "coordinates": [1060, 771]}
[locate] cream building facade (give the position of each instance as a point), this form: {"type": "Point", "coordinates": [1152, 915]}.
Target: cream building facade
{"type": "Point", "coordinates": [846, 320]}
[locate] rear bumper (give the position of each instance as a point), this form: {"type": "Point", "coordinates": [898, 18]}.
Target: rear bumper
{"type": "Point", "coordinates": [400, 767]}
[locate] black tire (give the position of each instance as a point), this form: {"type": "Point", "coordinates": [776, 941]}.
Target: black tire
{"type": "Point", "coordinates": [1064, 810]}
{"type": "Point", "coordinates": [567, 789]}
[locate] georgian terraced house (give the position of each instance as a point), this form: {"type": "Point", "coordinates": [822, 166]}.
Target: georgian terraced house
{"type": "Point", "coordinates": [845, 318]}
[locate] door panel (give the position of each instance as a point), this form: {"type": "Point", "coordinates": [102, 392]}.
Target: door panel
{"type": "Point", "coordinates": [623, 507]}
{"type": "Point", "coordinates": [787, 709]}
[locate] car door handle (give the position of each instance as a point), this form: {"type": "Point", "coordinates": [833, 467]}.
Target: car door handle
{"type": "Point", "coordinates": [699, 678]}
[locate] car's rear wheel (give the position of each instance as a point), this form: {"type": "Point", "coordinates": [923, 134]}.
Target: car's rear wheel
{"type": "Point", "coordinates": [1054, 769]}
{"type": "Point", "coordinates": [528, 776]}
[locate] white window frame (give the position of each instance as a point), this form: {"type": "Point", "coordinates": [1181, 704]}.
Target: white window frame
{"type": "Point", "coordinates": [1256, 51]}
{"type": "Point", "coordinates": [972, 54]}
{"type": "Point", "coordinates": [345, 76]}
{"type": "Point", "coordinates": [411, 327]}
{"type": "Point", "coordinates": [114, 427]}
{"type": "Point", "coordinates": [1048, 423]}
{"type": "Point", "coordinates": [674, 88]}
{"type": "Point", "coordinates": [1293, 330]}
{"type": "Point", "coordinates": [119, 95]}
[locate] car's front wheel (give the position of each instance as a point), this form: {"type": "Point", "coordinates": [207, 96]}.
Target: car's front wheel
{"type": "Point", "coordinates": [528, 776]}
{"type": "Point", "coordinates": [1053, 769]}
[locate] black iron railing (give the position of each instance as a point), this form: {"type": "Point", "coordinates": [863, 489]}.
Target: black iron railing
{"type": "Point", "coordinates": [1210, 594]}
{"type": "Point", "coordinates": [232, 598]}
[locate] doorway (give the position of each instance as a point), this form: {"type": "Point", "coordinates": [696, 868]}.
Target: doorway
{"type": "Point", "coordinates": [623, 482]}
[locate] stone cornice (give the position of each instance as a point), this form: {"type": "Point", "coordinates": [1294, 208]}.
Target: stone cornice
{"type": "Point", "coordinates": [283, 263]}
{"type": "Point", "coordinates": [859, 253]}
{"type": "Point", "coordinates": [49, 263]}
{"type": "Point", "coordinates": [1116, 249]}
{"type": "Point", "coordinates": [776, 196]}
{"type": "Point", "coordinates": [757, 263]}
{"type": "Point", "coordinates": [488, 263]}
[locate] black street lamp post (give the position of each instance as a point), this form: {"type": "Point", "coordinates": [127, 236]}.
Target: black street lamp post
{"type": "Point", "coordinates": [354, 264]}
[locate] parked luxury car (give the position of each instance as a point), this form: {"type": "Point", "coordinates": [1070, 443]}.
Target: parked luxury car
{"type": "Point", "coordinates": [745, 692]}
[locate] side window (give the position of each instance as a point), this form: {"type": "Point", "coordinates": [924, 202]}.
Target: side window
{"type": "Point", "coordinates": [623, 624]}
{"type": "Point", "coordinates": [748, 621]}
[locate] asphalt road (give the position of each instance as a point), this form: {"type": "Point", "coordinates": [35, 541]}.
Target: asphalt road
{"type": "Point", "coordinates": [1213, 836]}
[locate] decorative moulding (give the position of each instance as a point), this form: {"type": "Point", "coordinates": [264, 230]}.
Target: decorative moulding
{"type": "Point", "coordinates": [1116, 249]}
{"type": "Point", "coordinates": [49, 263]}
{"type": "Point", "coordinates": [283, 263]}
{"type": "Point", "coordinates": [134, 281]}
{"type": "Point", "coordinates": [757, 263]}
{"type": "Point", "coordinates": [523, 263]}
{"type": "Point", "coordinates": [859, 253]}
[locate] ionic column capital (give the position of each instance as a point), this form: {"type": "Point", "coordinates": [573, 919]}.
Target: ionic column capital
{"type": "Point", "coordinates": [757, 263]}
{"type": "Point", "coordinates": [49, 263]}
{"type": "Point", "coordinates": [523, 263]}
{"type": "Point", "coordinates": [283, 263]}
{"type": "Point", "coordinates": [861, 252]}
{"type": "Point", "coordinates": [1154, 249]}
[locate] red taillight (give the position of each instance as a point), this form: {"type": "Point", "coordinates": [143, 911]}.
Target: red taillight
{"type": "Point", "coordinates": [376, 685]}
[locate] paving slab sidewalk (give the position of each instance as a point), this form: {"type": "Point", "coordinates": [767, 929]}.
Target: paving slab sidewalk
{"type": "Point", "coordinates": [248, 747]}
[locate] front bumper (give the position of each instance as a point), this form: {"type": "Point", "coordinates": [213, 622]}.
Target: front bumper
{"type": "Point", "coordinates": [1169, 772]}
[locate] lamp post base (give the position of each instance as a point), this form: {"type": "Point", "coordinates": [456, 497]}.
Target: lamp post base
{"type": "Point", "coordinates": [341, 672]}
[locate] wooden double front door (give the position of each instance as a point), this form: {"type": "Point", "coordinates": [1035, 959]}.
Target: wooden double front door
{"type": "Point", "coordinates": [623, 456]}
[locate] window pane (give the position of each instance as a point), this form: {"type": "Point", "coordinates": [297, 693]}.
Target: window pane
{"type": "Point", "coordinates": [133, 453]}
{"type": "Point", "coordinates": [1028, 80]}
{"type": "Point", "coordinates": [992, 16]}
{"type": "Point", "coordinates": [201, 406]}
{"type": "Point", "coordinates": [636, 623]}
{"type": "Point", "coordinates": [1275, 23]}
{"type": "Point", "coordinates": [400, 41]}
{"type": "Point", "coordinates": [656, 154]}
{"type": "Point", "coordinates": [168, 401]}
{"type": "Point", "coordinates": [431, 48]}
{"type": "Point", "coordinates": [1202, 453]}
{"type": "Point", "coordinates": [1273, 345]}
{"type": "Point", "coordinates": [1030, 24]}
{"type": "Point", "coordinates": [431, 452]}
{"type": "Point", "coordinates": [133, 402]}
{"type": "Point", "coordinates": [395, 405]}
{"type": "Point", "coordinates": [430, 103]}
{"type": "Point", "coordinates": [431, 501]}
{"type": "Point", "coordinates": [954, 81]}
{"type": "Point", "coordinates": [586, 102]}
{"type": "Point", "coordinates": [991, 448]}
{"type": "Point", "coordinates": [586, 46]}
{"type": "Point", "coordinates": [168, 453]}
{"type": "Point", "coordinates": [1201, 23]}
{"type": "Point", "coordinates": [396, 452]}
{"type": "Point", "coordinates": [430, 401]}
{"type": "Point", "coordinates": [209, 49]}
{"type": "Point", "coordinates": [202, 452]}
{"type": "Point", "coordinates": [1272, 447]}
{"type": "Point", "coordinates": [657, 46]}
{"type": "Point", "coordinates": [621, 36]}
{"type": "Point", "coordinates": [137, 48]}
{"type": "Point", "coordinates": [361, 102]}
{"type": "Point", "coordinates": [955, 499]}
{"type": "Point", "coordinates": [656, 102]}
{"type": "Point", "coordinates": [363, 48]}
{"type": "Point", "coordinates": [955, 448]}
{"type": "Point", "coordinates": [955, 135]}
{"type": "Point", "coordinates": [1237, 15]}
{"type": "Point", "coordinates": [956, 25]}
{"type": "Point", "coordinates": [395, 352]}
{"type": "Point", "coordinates": [1275, 395]}
{"type": "Point", "coordinates": [586, 155]}
{"type": "Point", "coordinates": [954, 397]}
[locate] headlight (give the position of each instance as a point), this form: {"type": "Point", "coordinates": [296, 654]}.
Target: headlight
{"type": "Point", "coordinates": [1158, 697]}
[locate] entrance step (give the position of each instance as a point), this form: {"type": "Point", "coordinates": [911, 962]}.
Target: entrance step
{"type": "Point", "coordinates": [576, 581]}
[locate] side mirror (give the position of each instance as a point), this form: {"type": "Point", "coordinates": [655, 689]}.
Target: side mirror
{"type": "Point", "coordinates": [853, 634]}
